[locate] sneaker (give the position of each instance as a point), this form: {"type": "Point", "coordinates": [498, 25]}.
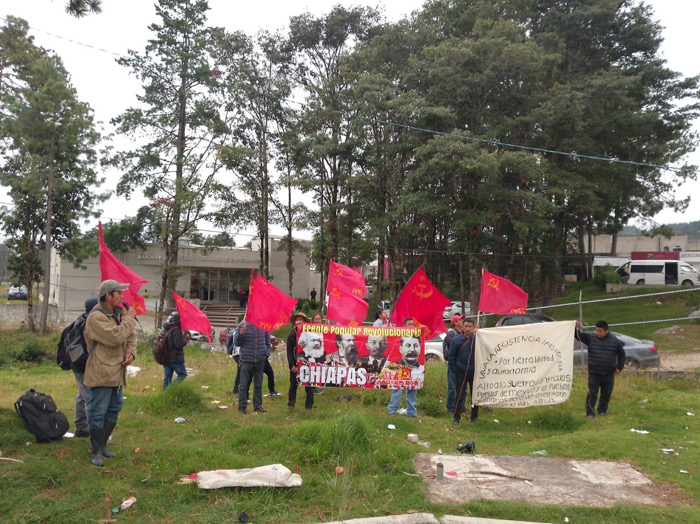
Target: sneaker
{"type": "Point", "coordinates": [455, 422]}
{"type": "Point", "coordinates": [275, 394]}
{"type": "Point", "coordinates": [474, 420]}
{"type": "Point", "coordinates": [242, 411]}
{"type": "Point", "coordinates": [260, 410]}
{"type": "Point", "coordinates": [308, 409]}
{"type": "Point", "coordinates": [590, 416]}
{"type": "Point", "coordinates": [599, 414]}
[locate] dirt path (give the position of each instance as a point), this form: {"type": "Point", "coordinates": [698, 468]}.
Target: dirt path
{"type": "Point", "coordinates": [677, 361]}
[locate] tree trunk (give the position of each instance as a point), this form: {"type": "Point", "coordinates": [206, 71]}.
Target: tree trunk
{"type": "Point", "coordinates": [47, 254]}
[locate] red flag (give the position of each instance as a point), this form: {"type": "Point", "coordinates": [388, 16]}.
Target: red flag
{"type": "Point", "coordinates": [346, 289]}
{"type": "Point", "coordinates": [345, 308]}
{"type": "Point", "coordinates": [111, 268]}
{"type": "Point", "coordinates": [191, 317]}
{"type": "Point", "coordinates": [268, 307]}
{"type": "Point", "coordinates": [347, 279]}
{"type": "Point", "coordinates": [423, 302]}
{"type": "Point", "coordinates": [500, 296]}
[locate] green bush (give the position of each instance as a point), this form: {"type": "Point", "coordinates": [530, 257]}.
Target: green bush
{"type": "Point", "coordinates": [605, 275]}
{"type": "Point", "coordinates": [31, 351]}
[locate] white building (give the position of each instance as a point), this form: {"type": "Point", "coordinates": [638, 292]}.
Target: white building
{"type": "Point", "coordinates": [213, 278]}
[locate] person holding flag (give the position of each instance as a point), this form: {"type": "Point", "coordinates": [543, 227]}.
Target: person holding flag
{"type": "Point", "coordinates": [292, 345]}
{"type": "Point", "coordinates": [462, 360]}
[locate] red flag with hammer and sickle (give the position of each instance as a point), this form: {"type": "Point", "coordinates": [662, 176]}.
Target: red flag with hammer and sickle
{"type": "Point", "coordinates": [191, 317]}
{"type": "Point", "coordinates": [500, 296]}
{"type": "Point", "coordinates": [112, 269]}
{"type": "Point", "coordinates": [346, 291]}
{"type": "Point", "coordinates": [423, 302]}
{"type": "Point", "coordinates": [268, 307]}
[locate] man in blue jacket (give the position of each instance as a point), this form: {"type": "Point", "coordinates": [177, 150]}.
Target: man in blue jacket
{"type": "Point", "coordinates": [606, 358]}
{"type": "Point", "coordinates": [461, 359]}
{"type": "Point", "coordinates": [255, 350]}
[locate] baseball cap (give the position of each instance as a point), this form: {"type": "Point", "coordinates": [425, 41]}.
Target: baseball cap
{"type": "Point", "coordinates": [456, 318]}
{"type": "Point", "coordinates": [111, 285]}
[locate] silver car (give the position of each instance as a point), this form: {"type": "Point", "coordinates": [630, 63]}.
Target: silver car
{"type": "Point", "coordinates": [638, 353]}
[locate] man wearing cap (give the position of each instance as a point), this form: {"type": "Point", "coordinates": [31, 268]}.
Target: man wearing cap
{"type": "Point", "coordinates": [110, 339]}
{"type": "Point", "coordinates": [297, 320]}
{"type": "Point", "coordinates": [456, 329]}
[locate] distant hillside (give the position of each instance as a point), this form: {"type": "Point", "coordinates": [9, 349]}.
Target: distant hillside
{"type": "Point", "coordinates": [692, 229]}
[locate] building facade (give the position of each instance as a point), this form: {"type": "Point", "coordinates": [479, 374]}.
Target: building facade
{"type": "Point", "coordinates": [215, 277]}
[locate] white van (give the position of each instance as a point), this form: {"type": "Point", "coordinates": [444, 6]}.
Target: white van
{"type": "Point", "coordinates": [660, 273]}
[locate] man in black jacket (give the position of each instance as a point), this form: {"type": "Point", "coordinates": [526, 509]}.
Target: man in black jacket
{"type": "Point", "coordinates": [606, 358]}
{"type": "Point", "coordinates": [174, 347]}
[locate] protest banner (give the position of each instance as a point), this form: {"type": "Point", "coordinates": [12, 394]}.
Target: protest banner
{"type": "Point", "coordinates": [522, 366]}
{"type": "Point", "coordinates": [366, 357]}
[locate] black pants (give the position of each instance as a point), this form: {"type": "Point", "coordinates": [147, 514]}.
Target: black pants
{"type": "Point", "coordinates": [293, 392]}
{"type": "Point", "coordinates": [463, 378]}
{"type": "Point", "coordinates": [604, 383]}
{"type": "Point", "coordinates": [268, 371]}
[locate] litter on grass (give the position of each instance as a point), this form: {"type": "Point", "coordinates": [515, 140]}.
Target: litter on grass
{"type": "Point", "coordinates": [273, 475]}
{"type": "Point", "coordinates": [640, 431]}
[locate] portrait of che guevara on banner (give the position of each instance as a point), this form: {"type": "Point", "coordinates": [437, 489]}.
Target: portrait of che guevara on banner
{"type": "Point", "coordinates": [367, 357]}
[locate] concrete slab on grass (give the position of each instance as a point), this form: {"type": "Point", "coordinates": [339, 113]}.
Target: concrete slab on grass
{"type": "Point", "coordinates": [427, 518]}
{"type": "Point", "coordinates": [541, 480]}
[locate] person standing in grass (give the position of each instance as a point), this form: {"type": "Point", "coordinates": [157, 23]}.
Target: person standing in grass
{"type": "Point", "coordinates": [410, 351]}
{"type": "Point", "coordinates": [461, 358]}
{"type": "Point", "coordinates": [456, 329]}
{"type": "Point", "coordinates": [255, 350]}
{"type": "Point", "coordinates": [606, 359]}
{"type": "Point", "coordinates": [110, 339]}
{"type": "Point", "coordinates": [292, 344]}
{"type": "Point", "coordinates": [175, 351]}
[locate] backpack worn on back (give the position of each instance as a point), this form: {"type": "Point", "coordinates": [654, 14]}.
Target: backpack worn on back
{"type": "Point", "coordinates": [38, 411]}
{"type": "Point", "coordinates": [160, 351]}
{"type": "Point", "coordinates": [72, 349]}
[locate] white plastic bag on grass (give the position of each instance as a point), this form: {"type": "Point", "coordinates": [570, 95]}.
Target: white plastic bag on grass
{"type": "Point", "coordinates": [274, 475]}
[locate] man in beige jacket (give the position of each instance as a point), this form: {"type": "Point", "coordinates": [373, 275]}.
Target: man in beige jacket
{"type": "Point", "coordinates": [110, 340]}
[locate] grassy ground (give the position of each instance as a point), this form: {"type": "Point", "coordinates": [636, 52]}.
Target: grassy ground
{"type": "Point", "coordinates": [55, 482]}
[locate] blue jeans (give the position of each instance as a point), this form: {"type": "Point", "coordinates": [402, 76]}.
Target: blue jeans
{"type": "Point", "coordinates": [169, 369]}
{"type": "Point", "coordinates": [451, 382]}
{"type": "Point", "coordinates": [395, 401]}
{"type": "Point", "coordinates": [251, 372]}
{"type": "Point", "coordinates": [82, 401]}
{"type": "Point", "coordinates": [105, 405]}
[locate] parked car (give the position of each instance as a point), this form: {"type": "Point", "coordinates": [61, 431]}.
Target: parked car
{"type": "Point", "coordinates": [455, 308]}
{"type": "Point", "coordinates": [433, 350]}
{"type": "Point", "coordinates": [196, 336]}
{"type": "Point", "coordinates": [17, 293]}
{"type": "Point", "coordinates": [225, 334]}
{"type": "Point", "coordinates": [384, 304]}
{"type": "Point", "coordinates": [638, 353]}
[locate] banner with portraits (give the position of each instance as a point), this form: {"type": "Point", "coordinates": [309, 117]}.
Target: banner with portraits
{"type": "Point", "coordinates": [330, 355]}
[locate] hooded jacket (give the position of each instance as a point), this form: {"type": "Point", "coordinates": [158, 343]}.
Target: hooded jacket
{"type": "Point", "coordinates": [109, 337]}
{"type": "Point", "coordinates": [174, 343]}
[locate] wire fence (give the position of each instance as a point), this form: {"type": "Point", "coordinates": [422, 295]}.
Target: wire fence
{"type": "Point", "coordinates": [684, 356]}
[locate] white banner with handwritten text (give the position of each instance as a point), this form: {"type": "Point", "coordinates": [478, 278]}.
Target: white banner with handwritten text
{"type": "Point", "coordinates": [522, 366]}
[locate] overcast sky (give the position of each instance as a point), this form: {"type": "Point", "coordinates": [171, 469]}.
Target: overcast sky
{"type": "Point", "coordinates": [89, 46]}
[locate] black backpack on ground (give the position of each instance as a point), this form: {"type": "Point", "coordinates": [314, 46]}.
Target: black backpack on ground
{"type": "Point", "coordinates": [38, 412]}
{"type": "Point", "coordinates": [72, 350]}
